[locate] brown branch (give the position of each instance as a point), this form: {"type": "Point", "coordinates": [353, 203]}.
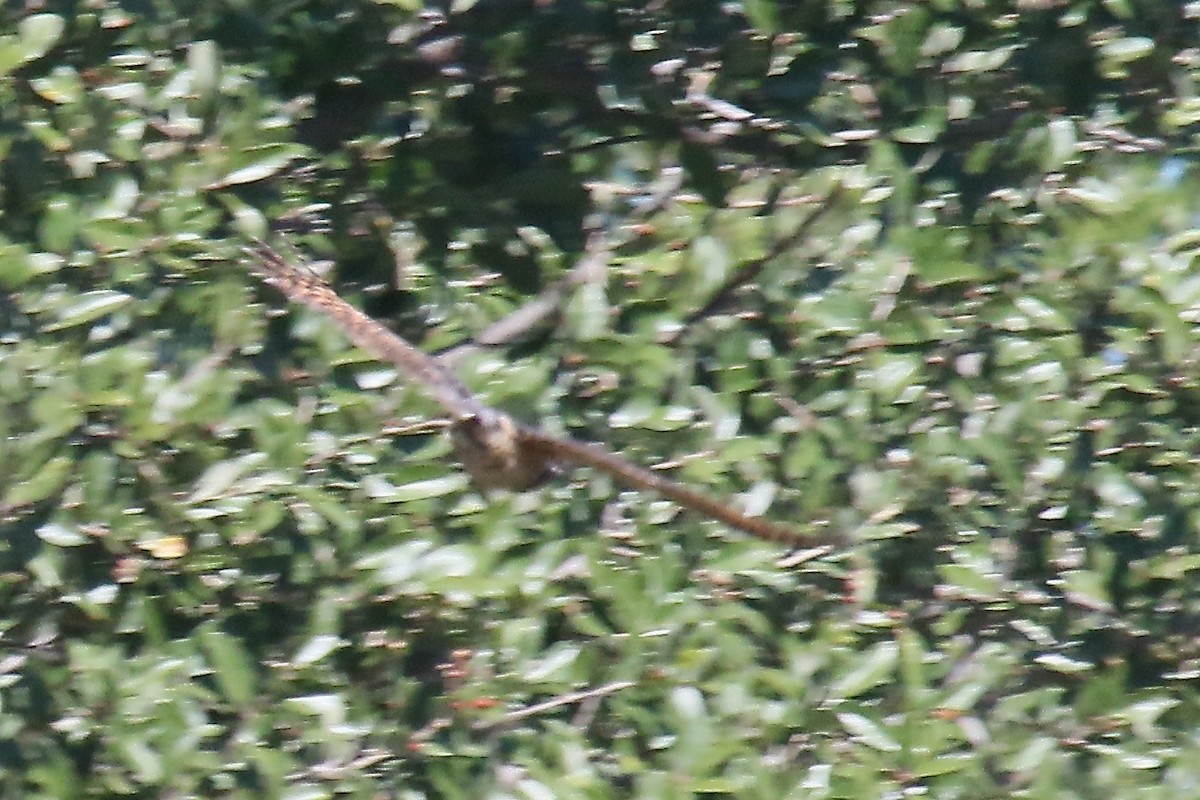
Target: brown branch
{"type": "Point", "coordinates": [590, 268]}
{"type": "Point", "coordinates": [563, 700]}
{"type": "Point", "coordinates": [750, 269]}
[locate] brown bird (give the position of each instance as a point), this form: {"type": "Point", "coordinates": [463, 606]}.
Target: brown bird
{"type": "Point", "coordinates": [496, 450]}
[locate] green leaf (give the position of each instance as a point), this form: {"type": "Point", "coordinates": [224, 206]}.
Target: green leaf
{"type": "Point", "coordinates": [40, 32]}
{"type": "Point", "coordinates": [48, 480]}
{"type": "Point", "coordinates": [379, 488]}
{"type": "Point", "coordinates": [763, 14]}
{"type": "Point", "coordinates": [61, 87]}
{"type": "Point", "coordinates": [976, 61]}
{"type": "Point", "coordinates": [231, 666]}
{"type": "Point", "coordinates": [61, 535]}
{"type": "Point", "coordinates": [36, 34]}
{"type": "Point", "coordinates": [969, 580]}
{"type": "Point", "coordinates": [945, 271]}
{"type": "Point", "coordinates": [89, 307]}
{"type": "Point", "coordinates": [264, 162]}
{"type": "Point", "coordinates": [316, 649]}
{"type": "Point", "coordinates": [867, 732]}
{"type": "Point", "coordinates": [876, 666]}
{"type": "Point", "coordinates": [1128, 49]}
{"type": "Point", "coordinates": [1057, 662]}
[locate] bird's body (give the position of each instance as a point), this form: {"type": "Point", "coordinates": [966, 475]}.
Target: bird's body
{"type": "Point", "coordinates": [495, 453]}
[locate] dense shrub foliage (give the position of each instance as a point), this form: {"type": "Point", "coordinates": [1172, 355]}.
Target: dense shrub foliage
{"type": "Point", "coordinates": [921, 275]}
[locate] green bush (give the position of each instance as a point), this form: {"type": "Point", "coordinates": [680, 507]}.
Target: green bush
{"type": "Point", "coordinates": [918, 275]}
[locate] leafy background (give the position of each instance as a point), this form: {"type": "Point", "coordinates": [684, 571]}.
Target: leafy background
{"type": "Point", "coordinates": [918, 274]}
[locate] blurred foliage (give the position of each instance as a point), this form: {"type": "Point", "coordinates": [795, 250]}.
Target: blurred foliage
{"type": "Point", "coordinates": [235, 563]}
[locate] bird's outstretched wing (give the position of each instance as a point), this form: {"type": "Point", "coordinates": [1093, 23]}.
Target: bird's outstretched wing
{"type": "Point", "coordinates": [557, 449]}
{"type": "Point", "coordinates": [304, 286]}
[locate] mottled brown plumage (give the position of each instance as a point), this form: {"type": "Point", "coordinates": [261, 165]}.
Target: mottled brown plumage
{"type": "Point", "coordinates": [497, 451]}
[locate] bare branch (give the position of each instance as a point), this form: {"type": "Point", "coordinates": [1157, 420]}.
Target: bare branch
{"type": "Point", "coordinates": [748, 270]}
{"type": "Point", "coordinates": [565, 700]}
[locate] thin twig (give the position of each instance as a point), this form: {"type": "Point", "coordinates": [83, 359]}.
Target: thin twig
{"type": "Point", "coordinates": [590, 268]}
{"type": "Point", "coordinates": [564, 700]}
{"type": "Point", "coordinates": [750, 269]}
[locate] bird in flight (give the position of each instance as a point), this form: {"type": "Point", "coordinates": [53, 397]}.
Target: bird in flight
{"type": "Point", "coordinates": [496, 450]}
